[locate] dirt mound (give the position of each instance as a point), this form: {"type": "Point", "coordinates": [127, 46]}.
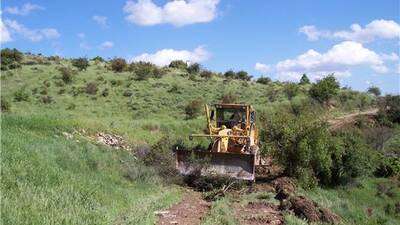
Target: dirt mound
{"type": "Point", "coordinates": [190, 210]}
{"type": "Point", "coordinates": [257, 213]}
{"type": "Point", "coordinates": [308, 209]}
{"type": "Point", "coordinates": [284, 187]}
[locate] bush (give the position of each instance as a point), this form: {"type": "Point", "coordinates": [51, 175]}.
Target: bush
{"type": "Point", "coordinates": [193, 108]}
{"type": "Point", "coordinates": [127, 93]}
{"type": "Point", "coordinates": [145, 70]}
{"type": "Point", "coordinates": [80, 63]}
{"type": "Point", "coordinates": [291, 90]}
{"type": "Point", "coordinates": [206, 74]}
{"type": "Point", "coordinates": [46, 99]}
{"type": "Point", "coordinates": [98, 59]}
{"type": "Point", "coordinates": [105, 92]}
{"type": "Point", "coordinates": [21, 95]}
{"type": "Point", "coordinates": [374, 90]}
{"type": "Point", "coordinates": [304, 80]}
{"type": "Point", "coordinates": [118, 65]}
{"type": "Point", "coordinates": [91, 88]}
{"type": "Point", "coordinates": [264, 80]}
{"type": "Point", "coordinates": [5, 105]}
{"type": "Point", "coordinates": [66, 74]}
{"type": "Point", "coordinates": [194, 68]}
{"type": "Point", "coordinates": [243, 75]}
{"type": "Point", "coordinates": [178, 64]}
{"type": "Point", "coordinates": [10, 59]}
{"type": "Point", "coordinates": [324, 89]}
{"type": "Point", "coordinates": [230, 74]}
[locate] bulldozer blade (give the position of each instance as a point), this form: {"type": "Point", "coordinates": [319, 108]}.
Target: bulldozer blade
{"type": "Point", "coordinates": [235, 165]}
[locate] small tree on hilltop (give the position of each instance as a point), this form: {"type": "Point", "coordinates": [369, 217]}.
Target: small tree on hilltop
{"type": "Point", "coordinates": [230, 74]}
{"type": "Point", "coordinates": [264, 80]}
{"type": "Point", "coordinates": [206, 74]}
{"type": "Point", "coordinates": [194, 68]}
{"type": "Point", "coordinates": [324, 89]}
{"type": "Point", "coordinates": [10, 58]}
{"type": "Point", "coordinates": [374, 90]}
{"type": "Point", "coordinates": [80, 63]}
{"type": "Point", "coordinates": [304, 80]}
{"type": "Point", "coordinates": [178, 64]}
{"type": "Point", "coordinates": [243, 75]}
{"type": "Point", "coordinates": [118, 65]}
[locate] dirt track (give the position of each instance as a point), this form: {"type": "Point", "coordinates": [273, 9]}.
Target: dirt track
{"type": "Point", "coordinates": [349, 118]}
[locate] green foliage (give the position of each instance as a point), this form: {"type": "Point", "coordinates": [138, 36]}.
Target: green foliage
{"type": "Point", "coordinates": [243, 75]}
{"type": "Point", "coordinates": [66, 74]}
{"type": "Point", "coordinates": [230, 98]}
{"type": "Point", "coordinates": [10, 59]}
{"type": "Point", "coordinates": [145, 70]}
{"type": "Point", "coordinates": [230, 74]}
{"type": "Point", "coordinates": [389, 109]}
{"type": "Point", "coordinates": [264, 80]}
{"type": "Point", "coordinates": [304, 80]}
{"type": "Point", "coordinates": [178, 64]}
{"type": "Point", "coordinates": [80, 63]}
{"type": "Point", "coordinates": [193, 108]}
{"type": "Point", "coordinates": [374, 90]}
{"type": "Point", "coordinates": [194, 68]}
{"type": "Point", "coordinates": [46, 99]}
{"type": "Point", "coordinates": [324, 89]}
{"type": "Point", "coordinates": [21, 95]}
{"type": "Point", "coordinates": [291, 90]}
{"type": "Point", "coordinates": [118, 65]}
{"type": "Point", "coordinates": [98, 59]}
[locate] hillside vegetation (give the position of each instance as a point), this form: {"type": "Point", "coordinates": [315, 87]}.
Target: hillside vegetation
{"type": "Point", "coordinates": [55, 172]}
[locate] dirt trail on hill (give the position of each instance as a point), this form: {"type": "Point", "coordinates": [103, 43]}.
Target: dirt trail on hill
{"type": "Point", "coordinates": [190, 210]}
{"type": "Point", "coordinates": [341, 121]}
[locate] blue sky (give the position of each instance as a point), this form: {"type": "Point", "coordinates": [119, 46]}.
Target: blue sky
{"type": "Point", "coordinates": [356, 40]}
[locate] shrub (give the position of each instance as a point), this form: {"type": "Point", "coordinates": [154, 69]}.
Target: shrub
{"type": "Point", "coordinates": [264, 80]}
{"type": "Point", "coordinates": [118, 65]}
{"type": "Point", "coordinates": [105, 92]}
{"type": "Point", "coordinates": [91, 88]}
{"type": "Point", "coordinates": [194, 68]}
{"type": "Point", "coordinates": [178, 64]}
{"type": "Point", "coordinates": [10, 59]}
{"type": "Point", "coordinates": [374, 90]}
{"type": "Point", "coordinates": [243, 75]}
{"type": "Point", "coordinates": [324, 89]}
{"type": "Point", "coordinates": [229, 98]}
{"type": "Point", "coordinates": [291, 90]}
{"type": "Point", "coordinates": [80, 63]}
{"type": "Point", "coordinates": [21, 95]}
{"type": "Point", "coordinates": [5, 105]}
{"type": "Point", "coordinates": [230, 74]}
{"type": "Point", "coordinates": [304, 80]}
{"type": "Point", "coordinates": [206, 74]}
{"type": "Point", "coordinates": [193, 108]}
{"type": "Point", "coordinates": [145, 70]}
{"type": "Point", "coordinates": [66, 74]}
{"type": "Point", "coordinates": [98, 59]}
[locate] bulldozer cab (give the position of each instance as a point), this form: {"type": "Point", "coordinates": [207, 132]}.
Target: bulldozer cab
{"type": "Point", "coordinates": [233, 148]}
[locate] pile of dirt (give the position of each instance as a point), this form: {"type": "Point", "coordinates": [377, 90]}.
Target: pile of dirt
{"type": "Point", "coordinates": [310, 210]}
{"type": "Point", "coordinates": [284, 187]}
{"type": "Point", "coordinates": [112, 140]}
{"type": "Point", "coordinates": [190, 210]}
{"type": "Point", "coordinates": [257, 213]}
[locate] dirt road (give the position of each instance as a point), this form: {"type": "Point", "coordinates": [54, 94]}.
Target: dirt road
{"type": "Point", "coordinates": [350, 118]}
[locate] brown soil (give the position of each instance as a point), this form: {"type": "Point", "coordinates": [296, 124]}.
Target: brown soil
{"type": "Point", "coordinates": [257, 213]}
{"type": "Point", "coordinates": [284, 187]}
{"type": "Point", "coordinates": [342, 121]}
{"type": "Point", "coordinates": [190, 210]}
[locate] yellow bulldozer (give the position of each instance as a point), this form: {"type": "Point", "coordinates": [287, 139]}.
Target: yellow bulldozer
{"type": "Point", "coordinates": [234, 145]}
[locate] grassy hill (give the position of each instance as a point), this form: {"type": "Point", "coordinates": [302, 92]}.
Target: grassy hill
{"type": "Point", "coordinates": [52, 177]}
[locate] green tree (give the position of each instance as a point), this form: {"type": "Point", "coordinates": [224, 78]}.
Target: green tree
{"type": "Point", "coordinates": [194, 68]}
{"type": "Point", "coordinates": [243, 75]}
{"type": "Point", "coordinates": [291, 89]}
{"type": "Point", "coordinates": [230, 74]}
{"type": "Point", "coordinates": [118, 65]}
{"type": "Point", "coordinates": [178, 64]}
{"type": "Point", "coordinates": [264, 80]}
{"type": "Point", "coordinates": [11, 58]}
{"type": "Point", "coordinates": [80, 63]}
{"type": "Point", "coordinates": [374, 90]}
{"type": "Point", "coordinates": [324, 89]}
{"type": "Point", "coordinates": [304, 79]}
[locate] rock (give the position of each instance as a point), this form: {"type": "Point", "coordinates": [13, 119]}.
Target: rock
{"type": "Point", "coordinates": [161, 213]}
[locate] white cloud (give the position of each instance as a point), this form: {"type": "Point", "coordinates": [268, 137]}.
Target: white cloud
{"type": "Point", "coordinates": [106, 45]}
{"type": "Point", "coordinates": [377, 29]}
{"type": "Point", "coordinates": [340, 59]}
{"type": "Point", "coordinates": [165, 56]}
{"type": "Point", "coordinates": [34, 35]}
{"type": "Point", "coordinates": [5, 34]}
{"type": "Point", "coordinates": [26, 9]}
{"type": "Point", "coordinates": [101, 20]}
{"type": "Point", "coordinates": [262, 67]}
{"type": "Point", "coordinates": [178, 12]}
{"type": "Point", "coordinates": [390, 57]}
